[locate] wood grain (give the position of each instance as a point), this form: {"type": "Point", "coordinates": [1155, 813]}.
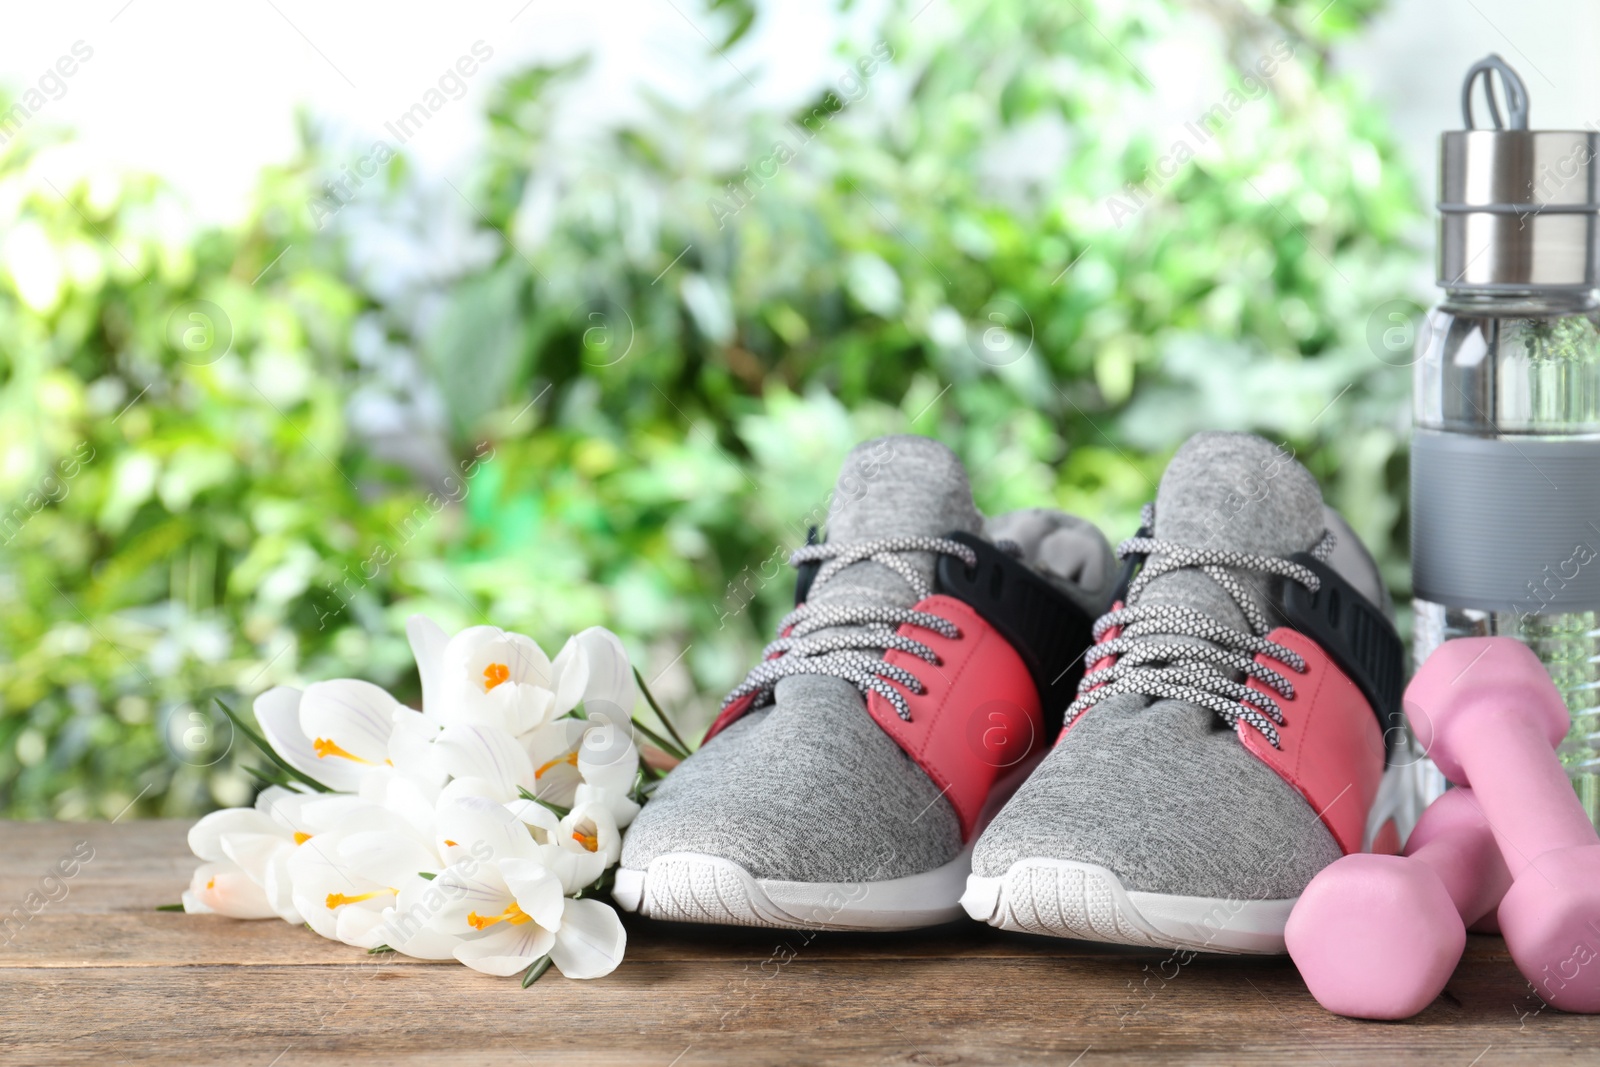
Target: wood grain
{"type": "Point", "coordinates": [100, 977]}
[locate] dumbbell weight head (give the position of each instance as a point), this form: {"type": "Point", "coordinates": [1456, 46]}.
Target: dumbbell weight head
{"type": "Point", "coordinates": [1472, 677]}
{"type": "Point", "coordinates": [1375, 937]}
{"type": "Point", "coordinates": [1551, 924]}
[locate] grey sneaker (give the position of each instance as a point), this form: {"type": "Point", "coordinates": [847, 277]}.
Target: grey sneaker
{"type": "Point", "coordinates": [842, 784]}
{"type": "Point", "coordinates": [1232, 735]}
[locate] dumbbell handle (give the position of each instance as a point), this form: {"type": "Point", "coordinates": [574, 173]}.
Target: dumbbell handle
{"type": "Point", "coordinates": [1519, 784]}
{"type": "Point", "coordinates": [1487, 712]}
{"type": "Point", "coordinates": [1453, 839]}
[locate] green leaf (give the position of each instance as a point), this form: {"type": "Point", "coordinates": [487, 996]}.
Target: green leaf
{"type": "Point", "coordinates": [650, 698]}
{"type": "Point", "coordinates": [380, 948]}
{"type": "Point", "coordinates": [429, 875]}
{"type": "Point", "coordinates": [536, 972]}
{"type": "Point", "coordinates": [170, 907]}
{"type": "Point", "coordinates": [266, 750]}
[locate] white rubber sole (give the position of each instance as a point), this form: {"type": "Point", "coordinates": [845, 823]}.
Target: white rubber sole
{"type": "Point", "coordinates": [696, 888]}
{"type": "Point", "coordinates": [1065, 898]}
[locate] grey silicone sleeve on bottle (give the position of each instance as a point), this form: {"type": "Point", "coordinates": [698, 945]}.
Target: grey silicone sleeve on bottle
{"type": "Point", "coordinates": [1506, 523]}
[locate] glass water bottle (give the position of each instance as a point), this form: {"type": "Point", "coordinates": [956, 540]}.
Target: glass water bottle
{"type": "Point", "coordinates": [1505, 456]}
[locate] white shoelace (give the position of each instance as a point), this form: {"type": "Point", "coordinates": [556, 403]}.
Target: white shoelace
{"type": "Point", "coordinates": [855, 656]}
{"type": "Point", "coordinates": [1201, 674]}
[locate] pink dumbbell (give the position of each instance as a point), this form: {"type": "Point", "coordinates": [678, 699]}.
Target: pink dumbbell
{"type": "Point", "coordinates": [1377, 937]}
{"type": "Point", "coordinates": [1485, 709]}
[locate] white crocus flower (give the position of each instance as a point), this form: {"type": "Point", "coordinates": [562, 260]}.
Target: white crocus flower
{"type": "Point", "coordinates": [336, 732]}
{"type": "Point", "coordinates": [428, 842]}
{"type": "Point", "coordinates": [483, 761]}
{"type": "Point", "coordinates": [487, 675]}
{"type": "Point", "coordinates": [504, 915]}
{"type": "Point", "coordinates": [508, 910]}
{"type": "Point", "coordinates": [483, 676]}
{"type": "Point", "coordinates": [335, 899]}
{"type": "Point", "coordinates": [577, 761]}
{"type": "Point", "coordinates": [593, 669]}
{"type": "Point", "coordinates": [346, 872]}
{"type": "Point", "coordinates": [222, 887]}
{"type": "Point", "coordinates": [256, 843]}
{"type": "Point", "coordinates": [590, 828]}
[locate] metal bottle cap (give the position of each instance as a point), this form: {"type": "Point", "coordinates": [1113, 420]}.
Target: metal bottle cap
{"type": "Point", "coordinates": [1517, 207]}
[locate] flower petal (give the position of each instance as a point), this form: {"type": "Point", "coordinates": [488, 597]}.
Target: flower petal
{"type": "Point", "coordinates": [317, 877]}
{"type": "Point", "coordinates": [592, 668]}
{"type": "Point", "coordinates": [386, 857]}
{"type": "Point", "coordinates": [253, 851]}
{"type": "Point", "coordinates": [411, 749]}
{"type": "Point", "coordinates": [622, 807]}
{"type": "Point", "coordinates": [486, 752]}
{"type": "Point", "coordinates": [608, 758]}
{"type": "Point", "coordinates": [470, 888]}
{"type": "Point", "coordinates": [278, 712]}
{"type": "Point", "coordinates": [356, 716]}
{"type": "Point", "coordinates": [591, 940]}
{"type": "Point", "coordinates": [553, 751]}
{"type": "Point", "coordinates": [534, 815]}
{"type": "Point", "coordinates": [575, 868]}
{"type": "Point", "coordinates": [279, 889]}
{"type": "Point", "coordinates": [226, 890]}
{"type": "Point", "coordinates": [428, 643]}
{"type": "Point", "coordinates": [205, 836]}
{"type": "Point", "coordinates": [471, 825]}
{"type": "Point", "coordinates": [506, 950]}
{"type": "Point", "coordinates": [537, 890]}
{"type": "Point", "coordinates": [408, 923]}
{"type": "Point", "coordinates": [359, 927]}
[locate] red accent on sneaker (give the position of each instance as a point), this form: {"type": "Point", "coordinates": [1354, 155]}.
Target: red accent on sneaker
{"type": "Point", "coordinates": [728, 716]}
{"type": "Point", "coordinates": [979, 716]}
{"type": "Point", "coordinates": [1111, 634]}
{"type": "Point", "coordinates": [1332, 750]}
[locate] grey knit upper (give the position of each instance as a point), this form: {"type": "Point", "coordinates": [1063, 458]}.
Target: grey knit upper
{"type": "Point", "coordinates": [811, 789]}
{"type": "Point", "coordinates": [1161, 792]}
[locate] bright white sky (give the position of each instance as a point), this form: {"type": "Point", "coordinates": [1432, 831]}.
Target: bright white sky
{"type": "Point", "coordinates": [204, 92]}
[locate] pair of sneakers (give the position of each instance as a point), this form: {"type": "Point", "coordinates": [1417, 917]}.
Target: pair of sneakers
{"type": "Point", "coordinates": [984, 715]}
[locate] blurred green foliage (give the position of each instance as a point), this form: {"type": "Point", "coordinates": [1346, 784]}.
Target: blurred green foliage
{"type": "Point", "coordinates": [610, 377]}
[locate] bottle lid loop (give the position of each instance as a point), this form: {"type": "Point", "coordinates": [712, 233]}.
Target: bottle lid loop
{"type": "Point", "coordinates": [1516, 93]}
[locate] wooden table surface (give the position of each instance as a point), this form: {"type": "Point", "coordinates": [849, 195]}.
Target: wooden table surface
{"type": "Point", "coordinates": [99, 976]}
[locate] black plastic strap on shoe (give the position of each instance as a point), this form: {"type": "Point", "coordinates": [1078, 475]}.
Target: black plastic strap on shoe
{"type": "Point", "coordinates": [1357, 636]}
{"type": "Point", "coordinates": [806, 573]}
{"type": "Point", "coordinates": [1047, 628]}
{"type": "Point", "coordinates": [1130, 568]}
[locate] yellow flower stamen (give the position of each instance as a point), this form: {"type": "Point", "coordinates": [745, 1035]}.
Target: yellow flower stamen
{"type": "Point", "coordinates": [495, 674]}
{"type": "Point", "coordinates": [211, 884]}
{"type": "Point", "coordinates": [588, 841]}
{"type": "Point", "coordinates": [449, 843]}
{"type": "Point", "coordinates": [325, 748]}
{"type": "Point", "coordinates": [339, 900]}
{"type": "Point", "coordinates": [300, 837]}
{"type": "Point", "coordinates": [571, 757]}
{"type": "Point", "coordinates": [513, 915]}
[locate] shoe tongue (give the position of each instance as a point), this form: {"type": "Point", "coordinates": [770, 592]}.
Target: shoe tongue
{"type": "Point", "coordinates": [1232, 491]}
{"type": "Point", "coordinates": [900, 486]}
